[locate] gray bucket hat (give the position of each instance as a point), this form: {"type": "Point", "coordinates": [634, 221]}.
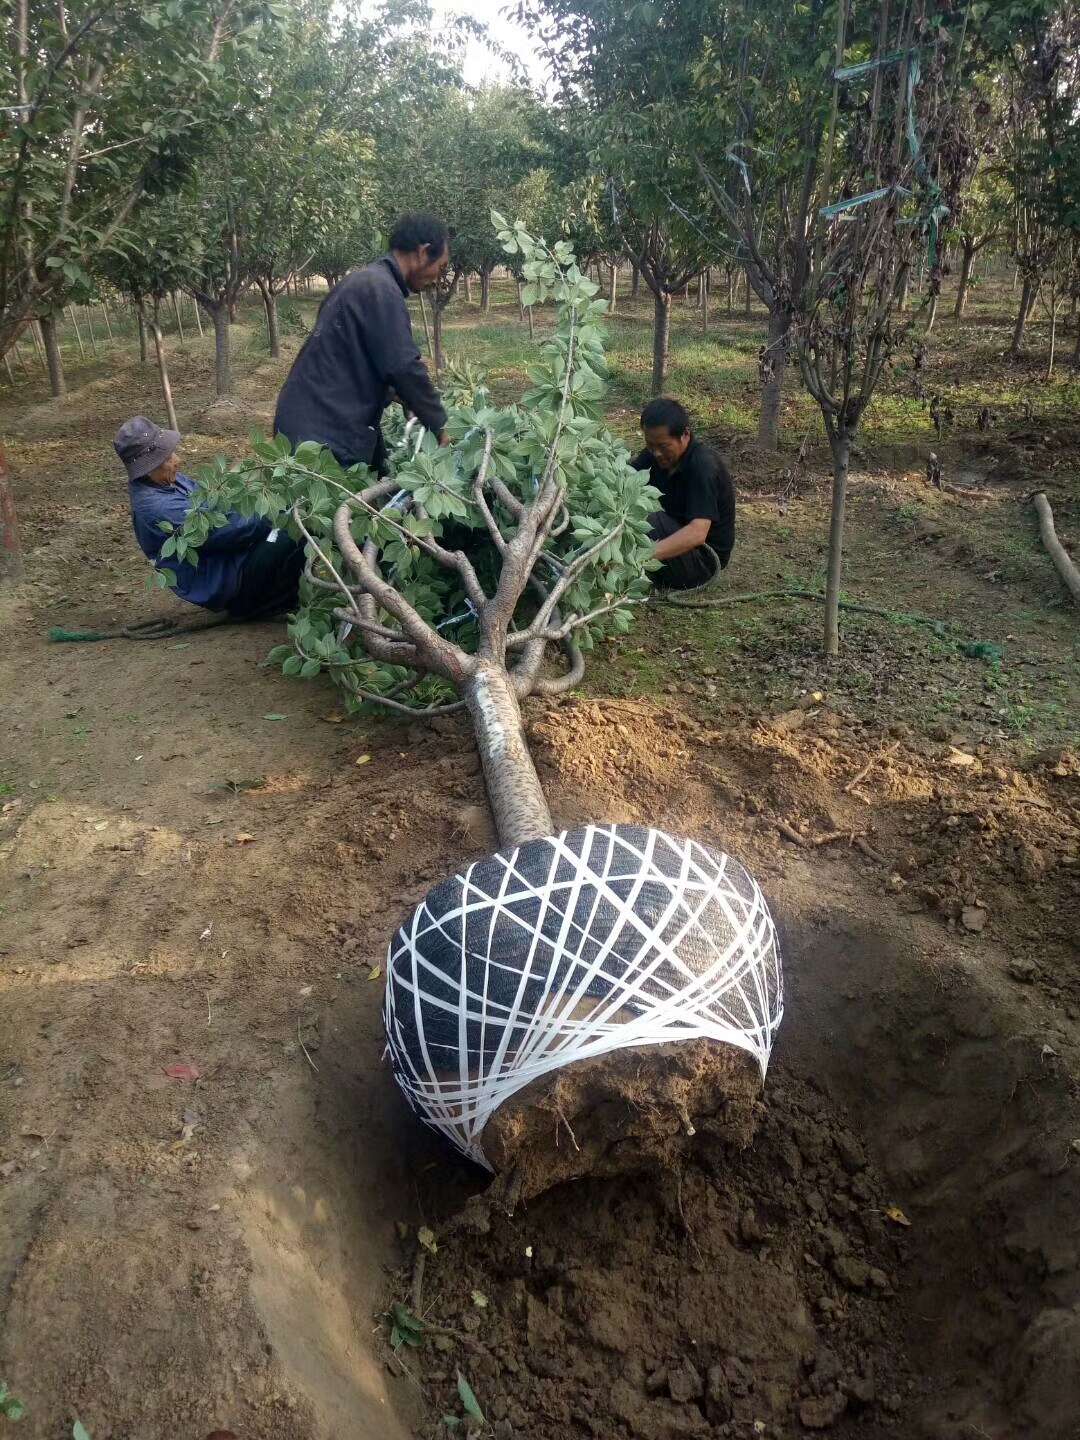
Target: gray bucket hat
{"type": "Point", "coordinates": [142, 446]}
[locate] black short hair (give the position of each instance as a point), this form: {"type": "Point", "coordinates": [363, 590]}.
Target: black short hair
{"type": "Point", "coordinates": [668, 413]}
{"type": "Point", "coordinates": [412, 231]}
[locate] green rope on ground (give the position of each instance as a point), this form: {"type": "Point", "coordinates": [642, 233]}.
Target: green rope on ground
{"type": "Point", "coordinates": [154, 629]}
{"type": "Point", "coordinates": [976, 650]}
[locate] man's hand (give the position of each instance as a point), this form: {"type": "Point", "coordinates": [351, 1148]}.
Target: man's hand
{"type": "Point", "coordinates": [444, 440]}
{"type": "Point", "coordinates": [688, 538]}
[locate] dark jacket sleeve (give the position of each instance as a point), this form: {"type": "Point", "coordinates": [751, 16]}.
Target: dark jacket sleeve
{"type": "Point", "coordinates": [395, 356]}
{"type": "Point", "coordinates": [642, 461]}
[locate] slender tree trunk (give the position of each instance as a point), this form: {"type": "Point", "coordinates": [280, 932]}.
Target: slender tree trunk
{"type": "Point", "coordinates": [437, 355]}
{"type": "Point", "coordinates": [513, 786]}
{"type": "Point", "coordinates": [967, 261]}
{"type": "Point", "coordinates": [905, 282]}
{"type": "Point", "coordinates": [78, 332]}
{"type": "Point", "coordinates": [10, 548]}
{"type": "Point", "coordinates": [706, 286]}
{"type": "Point", "coordinates": [38, 344]}
{"type": "Point", "coordinates": [1053, 331]}
{"type": "Point", "coordinates": [53, 361]}
{"type": "Point", "coordinates": [88, 313]}
{"type": "Point", "coordinates": [1022, 316]}
{"type": "Point", "coordinates": [176, 312]}
{"type": "Point", "coordinates": [661, 339]}
{"type": "Point", "coordinates": [7, 367]}
{"type": "Point", "coordinates": [521, 306]}
{"type": "Point", "coordinates": [730, 273]}
{"type": "Point", "coordinates": [108, 322]}
{"type": "Point", "coordinates": [746, 300]}
{"type": "Point", "coordinates": [219, 313]}
{"type": "Point", "coordinates": [635, 279]}
{"type": "Point", "coordinates": [772, 390]}
{"type": "Point", "coordinates": [485, 290]}
{"type": "Point", "coordinates": [163, 369]}
{"type": "Point", "coordinates": [141, 322]}
{"type": "Point", "coordinates": [532, 328]}
{"type": "Point", "coordinates": [613, 288]}
{"type": "Point", "coordinates": [841, 452]}
{"type": "Point", "coordinates": [427, 329]}
{"type": "Point", "coordinates": [466, 281]}
{"type": "Point", "coordinates": [932, 313]}
{"type": "Point", "coordinates": [198, 316]}
{"type": "Point", "coordinates": [273, 326]}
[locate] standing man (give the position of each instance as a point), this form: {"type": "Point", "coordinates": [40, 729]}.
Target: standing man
{"type": "Point", "coordinates": [361, 352]}
{"type": "Point", "coordinates": [694, 529]}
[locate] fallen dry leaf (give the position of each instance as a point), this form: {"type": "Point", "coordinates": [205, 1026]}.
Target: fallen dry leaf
{"type": "Point", "coordinates": [244, 837]}
{"type": "Point", "coordinates": [364, 760]}
{"type": "Point", "coordinates": [334, 717]}
{"type": "Point", "coordinates": [182, 1072]}
{"type": "Point", "coordinates": [374, 972]}
{"type": "Point", "coordinates": [897, 1216]}
{"type": "Point", "coordinates": [426, 1237]}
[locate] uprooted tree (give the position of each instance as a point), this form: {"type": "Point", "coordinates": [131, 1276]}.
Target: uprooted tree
{"type": "Point", "coordinates": [457, 583]}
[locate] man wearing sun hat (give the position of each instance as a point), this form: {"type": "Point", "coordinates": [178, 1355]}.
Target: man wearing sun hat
{"type": "Point", "coordinates": [244, 567]}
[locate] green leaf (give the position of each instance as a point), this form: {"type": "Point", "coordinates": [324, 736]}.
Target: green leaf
{"type": "Point", "coordinates": [310, 668]}
{"type": "Point", "coordinates": [79, 1431]}
{"type": "Point", "coordinates": [279, 653]}
{"type": "Point", "coordinates": [274, 716]}
{"type": "Point", "coordinates": [14, 1409]}
{"type": "Point", "coordinates": [468, 1399]}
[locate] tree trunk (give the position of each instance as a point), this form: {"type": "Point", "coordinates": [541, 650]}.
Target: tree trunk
{"type": "Point", "coordinates": [967, 261]}
{"type": "Point", "coordinates": [38, 344]}
{"type": "Point", "coordinates": [467, 284]}
{"type": "Point", "coordinates": [513, 786]}
{"type": "Point", "coordinates": [904, 283]}
{"type": "Point", "coordinates": [932, 315]}
{"type": "Point", "coordinates": [198, 317]}
{"type": "Point", "coordinates": [661, 339]}
{"type": "Point", "coordinates": [521, 306]}
{"type": "Point", "coordinates": [10, 549]}
{"type": "Point", "coordinates": [222, 373]}
{"type": "Point", "coordinates": [436, 347]}
{"type": "Point", "coordinates": [1054, 548]}
{"type": "Point", "coordinates": [772, 390]}
{"type": "Point", "coordinates": [1021, 316]}
{"type": "Point", "coordinates": [273, 327]}
{"type": "Point", "coordinates": [427, 329]}
{"type": "Point", "coordinates": [78, 332]}
{"type": "Point", "coordinates": [746, 302]}
{"type": "Point", "coordinates": [730, 273]}
{"type": "Point", "coordinates": [485, 290]}
{"type": "Point", "coordinates": [88, 313]}
{"type": "Point", "coordinates": [613, 288]}
{"type": "Point", "coordinates": [179, 321]}
{"type": "Point", "coordinates": [841, 452]}
{"type": "Point", "coordinates": [1053, 332]}
{"type": "Point", "coordinates": [55, 364]}
{"type": "Point", "coordinates": [108, 322]}
{"type": "Point", "coordinates": [163, 370]}
{"type": "Point", "coordinates": [705, 287]}
{"type": "Point", "coordinates": [635, 279]}
{"type": "Point", "coordinates": [1076, 347]}
{"type": "Point", "coordinates": [142, 336]}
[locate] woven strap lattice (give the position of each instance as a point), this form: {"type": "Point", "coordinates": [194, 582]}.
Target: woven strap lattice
{"type": "Point", "coordinates": [566, 948]}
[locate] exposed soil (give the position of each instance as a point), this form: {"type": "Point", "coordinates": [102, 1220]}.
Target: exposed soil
{"type": "Point", "coordinates": [189, 881]}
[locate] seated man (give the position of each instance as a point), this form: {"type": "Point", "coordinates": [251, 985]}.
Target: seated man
{"type": "Point", "coordinates": [697, 498]}
{"type": "Point", "coordinates": [243, 567]}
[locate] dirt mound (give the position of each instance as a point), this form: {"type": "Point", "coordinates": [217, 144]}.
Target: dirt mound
{"type": "Point", "coordinates": [230, 415]}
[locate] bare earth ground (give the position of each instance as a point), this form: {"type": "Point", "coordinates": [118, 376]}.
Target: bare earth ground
{"type": "Point", "coordinates": [189, 883]}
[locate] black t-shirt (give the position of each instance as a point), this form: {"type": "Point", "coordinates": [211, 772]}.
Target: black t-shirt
{"type": "Point", "coordinates": [699, 488]}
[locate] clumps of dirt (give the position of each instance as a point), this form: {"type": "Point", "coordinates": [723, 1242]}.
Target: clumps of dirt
{"type": "Point", "coordinates": [229, 415]}
{"type": "Point", "coordinates": [742, 1292]}
{"type": "Point", "coordinates": [632, 1110]}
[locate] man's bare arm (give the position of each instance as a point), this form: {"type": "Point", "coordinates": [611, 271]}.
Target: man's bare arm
{"type": "Point", "coordinates": [688, 538]}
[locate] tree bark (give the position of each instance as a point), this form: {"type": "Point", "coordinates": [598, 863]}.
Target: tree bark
{"type": "Point", "coordinates": [729, 271]}
{"type": "Point", "coordinates": [163, 370]}
{"type": "Point", "coordinates": [10, 549]}
{"type": "Point", "coordinates": [1057, 552]}
{"type": "Point", "coordinates": [485, 290]}
{"type": "Point", "coordinates": [78, 332]}
{"type": "Point", "coordinates": [932, 315]}
{"type": "Point", "coordinates": [772, 391]}
{"type": "Point", "coordinates": [53, 360]}
{"type": "Point", "coordinates": [89, 315]}
{"type": "Point", "coordinates": [613, 288]}
{"type": "Point", "coordinates": [270, 311]}
{"type": "Point", "coordinates": [176, 312]}
{"type": "Point", "coordinates": [746, 300]}
{"type": "Point", "coordinates": [705, 284]}
{"type": "Point", "coordinates": [635, 280]}
{"type": "Point", "coordinates": [841, 452]}
{"type": "Point", "coordinates": [1021, 316]}
{"type": "Point", "coordinates": [661, 339]}
{"type": "Point", "coordinates": [513, 786]}
{"type": "Point", "coordinates": [905, 281]}
{"type": "Point", "coordinates": [219, 313]}
{"type": "Point", "coordinates": [436, 339]}
{"type": "Point", "coordinates": [967, 261]}
{"type": "Point", "coordinates": [466, 281]}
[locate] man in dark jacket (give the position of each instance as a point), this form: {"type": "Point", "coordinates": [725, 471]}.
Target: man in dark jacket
{"type": "Point", "coordinates": [361, 352]}
{"type": "Point", "coordinates": [694, 529]}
